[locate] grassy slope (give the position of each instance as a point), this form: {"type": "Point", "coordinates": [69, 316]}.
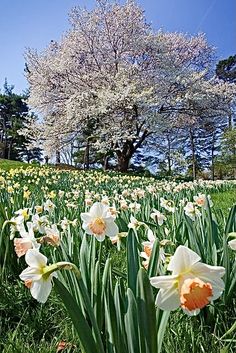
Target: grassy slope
{"type": "Point", "coordinates": [8, 164]}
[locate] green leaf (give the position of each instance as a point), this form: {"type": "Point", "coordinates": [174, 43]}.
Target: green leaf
{"type": "Point", "coordinates": [131, 324]}
{"type": "Point", "coordinates": [146, 313]}
{"type": "Point", "coordinates": [133, 259]}
{"type": "Point", "coordinates": [84, 331]}
{"type": "Point", "coordinates": [153, 267]}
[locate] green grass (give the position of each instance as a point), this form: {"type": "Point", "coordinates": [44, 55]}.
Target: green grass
{"type": "Point", "coordinates": [8, 164]}
{"type": "Point", "coordinates": [223, 201]}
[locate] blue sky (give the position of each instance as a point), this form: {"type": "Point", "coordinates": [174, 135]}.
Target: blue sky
{"type": "Point", "coordinates": [33, 23]}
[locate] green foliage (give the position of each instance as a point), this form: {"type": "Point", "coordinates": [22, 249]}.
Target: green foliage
{"type": "Point", "coordinates": [14, 113]}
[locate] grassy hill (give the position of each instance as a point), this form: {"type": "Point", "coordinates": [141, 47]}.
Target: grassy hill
{"type": "Point", "coordinates": [8, 164]}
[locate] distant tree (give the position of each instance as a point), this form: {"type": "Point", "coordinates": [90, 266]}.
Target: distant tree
{"type": "Point", "coordinates": [14, 114]}
{"type": "Point", "coordinates": [228, 149]}
{"type": "Point", "coordinates": [226, 69]}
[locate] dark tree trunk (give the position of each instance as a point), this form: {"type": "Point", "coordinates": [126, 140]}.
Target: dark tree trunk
{"type": "Point", "coordinates": [106, 163]}
{"type": "Point", "coordinates": [230, 121]}
{"type": "Point", "coordinates": [192, 143]}
{"type": "Point", "coordinates": [9, 149]}
{"type": "Point", "coordinates": [169, 155]}
{"type": "Point", "coordinates": [123, 163]}
{"type": "Point", "coordinates": [86, 155]}
{"type": "Point", "coordinates": [58, 157]}
{"type": "Point", "coordinates": [213, 157]}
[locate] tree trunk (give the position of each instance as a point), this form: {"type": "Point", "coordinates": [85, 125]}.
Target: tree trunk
{"type": "Point", "coordinates": [9, 150]}
{"type": "Point", "coordinates": [106, 163]}
{"type": "Point", "coordinates": [230, 121]}
{"type": "Point", "coordinates": [86, 155]}
{"type": "Point", "coordinates": [169, 155]}
{"type": "Point", "coordinates": [213, 157]}
{"type": "Point", "coordinates": [192, 143]}
{"type": "Point", "coordinates": [123, 163]}
{"type": "Point", "coordinates": [58, 157]}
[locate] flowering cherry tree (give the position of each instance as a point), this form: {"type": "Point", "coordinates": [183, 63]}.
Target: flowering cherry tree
{"type": "Point", "coordinates": [113, 67]}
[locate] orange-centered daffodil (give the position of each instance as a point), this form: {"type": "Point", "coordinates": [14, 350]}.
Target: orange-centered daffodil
{"type": "Point", "coordinates": [192, 284]}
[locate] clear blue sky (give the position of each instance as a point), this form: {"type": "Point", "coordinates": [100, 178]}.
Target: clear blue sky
{"type": "Point", "coordinates": [33, 23]}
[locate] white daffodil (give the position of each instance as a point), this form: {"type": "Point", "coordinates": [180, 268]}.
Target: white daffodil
{"type": "Point", "coordinates": [15, 225]}
{"type": "Point", "coordinates": [191, 211]}
{"type": "Point", "coordinates": [134, 223]}
{"type": "Point", "coordinates": [24, 212]}
{"type": "Point", "coordinates": [201, 200]}
{"type": "Point", "coordinates": [167, 205]}
{"type": "Point", "coordinates": [38, 276]}
{"type": "Point", "coordinates": [52, 236]}
{"type": "Point", "coordinates": [192, 284]}
{"type": "Point", "coordinates": [99, 222]}
{"type": "Point", "coordinates": [158, 217]}
{"type": "Point", "coordinates": [40, 223]}
{"type": "Point", "coordinates": [49, 206]}
{"type": "Point", "coordinates": [27, 240]}
{"type": "Point", "coordinates": [117, 239]}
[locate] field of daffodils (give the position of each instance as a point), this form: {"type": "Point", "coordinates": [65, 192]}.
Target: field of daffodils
{"type": "Point", "coordinates": [136, 263]}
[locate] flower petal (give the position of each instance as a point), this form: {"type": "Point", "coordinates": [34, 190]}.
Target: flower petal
{"type": "Point", "coordinates": [100, 237]}
{"type": "Point", "coordinates": [34, 258]}
{"type": "Point", "coordinates": [86, 217]}
{"type": "Point", "coordinates": [183, 259]}
{"type": "Point", "coordinates": [168, 299]}
{"type": "Point", "coordinates": [31, 273]}
{"type": "Point", "coordinates": [111, 229]}
{"type": "Point", "coordinates": [192, 312]}
{"type": "Point", "coordinates": [97, 210]}
{"type": "Point", "coordinates": [164, 282]}
{"type": "Point", "coordinates": [40, 290]}
{"type": "Point", "coordinates": [212, 275]}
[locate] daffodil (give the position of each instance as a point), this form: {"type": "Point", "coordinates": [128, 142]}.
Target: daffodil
{"type": "Point", "coordinates": [27, 240]}
{"type": "Point", "coordinates": [192, 284]}
{"type": "Point", "coordinates": [167, 205]}
{"type": "Point", "coordinates": [201, 200]}
{"type": "Point", "coordinates": [158, 217]}
{"type": "Point", "coordinates": [38, 275]}
{"type": "Point", "coordinates": [191, 211]}
{"type": "Point", "coordinates": [99, 222]}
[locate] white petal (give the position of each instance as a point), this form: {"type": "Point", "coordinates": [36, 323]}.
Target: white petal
{"type": "Point", "coordinates": [168, 299]}
{"type": "Point", "coordinates": [85, 226]}
{"type": "Point", "coordinates": [183, 259]}
{"type": "Point", "coordinates": [150, 235]}
{"type": "Point", "coordinates": [208, 270]}
{"type": "Point", "coordinates": [97, 210]}
{"type": "Point", "coordinates": [232, 244]}
{"type": "Point", "coordinates": [40, 290]}
{"type": "Point", "coordinates": [164, 282]}
{"type": "Point", "coordinates": [100, 237]}
{"type": "Point", "coordinates": [112, 229]}
{"type": "Point", "coordinates": [192, 312]}
{"type": "Point", "coordinates": [144, 255]}
{"type": "Point", "coordinates": [34, 258]}
{"type": "Point", "coordinates": [31, 273]}
{"type": "Point", "coordinates": [86, 217]}
{"type": "Point", "coordinates": [212, 275]}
